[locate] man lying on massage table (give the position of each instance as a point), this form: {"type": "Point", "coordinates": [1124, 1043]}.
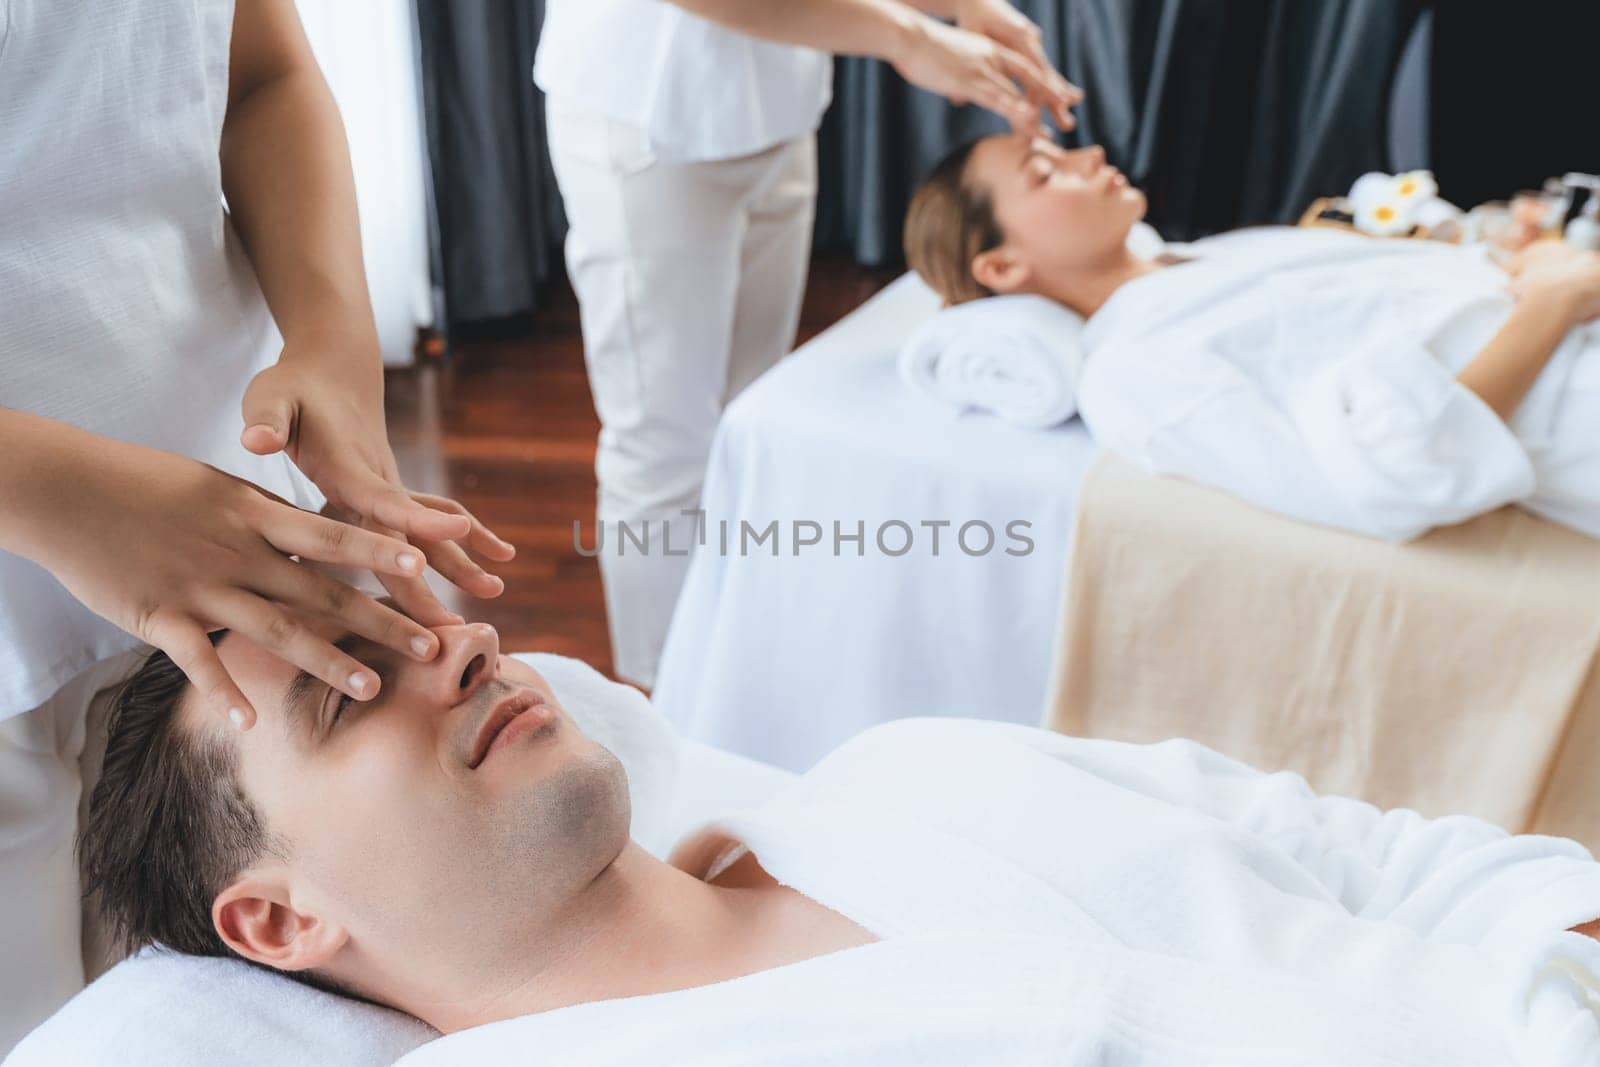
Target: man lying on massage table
{"type": "Point", "coordinates": [932, 892]}
{"type": "Point", "coordinates": [1380, 386]}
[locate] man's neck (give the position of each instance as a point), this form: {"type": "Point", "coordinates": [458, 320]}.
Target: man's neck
{"type": "Point", "coordinates": [641, 927]}
{"type": "Point", "coordinates": [1086, 292]}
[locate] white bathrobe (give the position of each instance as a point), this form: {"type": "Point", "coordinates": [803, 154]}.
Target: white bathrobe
{"type": "Point", "coordinates": [1312, 373]}
{"type": "Point", "coordinates": [1042, 899]}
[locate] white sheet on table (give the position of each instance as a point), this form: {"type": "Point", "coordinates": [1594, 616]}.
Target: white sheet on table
{"type": "Point", "coordinates": [1044, 899]}
{"type": "Point", "coordinates": [783, 658]}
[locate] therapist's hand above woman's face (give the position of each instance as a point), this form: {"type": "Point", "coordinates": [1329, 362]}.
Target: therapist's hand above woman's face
{"type": "Point", "coordinates": [1002, 68]}
{"type": "Point", "coordinates": [1005, 25]}
{"type": "Point", "coordinates": [327, 415]}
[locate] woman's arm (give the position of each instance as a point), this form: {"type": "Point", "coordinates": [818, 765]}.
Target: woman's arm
{"type": "Point", "coordinates": [967, 65]}
{"type": "Point", "coordinates": [1557, 287]}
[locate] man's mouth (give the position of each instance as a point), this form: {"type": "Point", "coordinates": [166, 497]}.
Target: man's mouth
{"type": "Point", "coordinates": [519, 713]}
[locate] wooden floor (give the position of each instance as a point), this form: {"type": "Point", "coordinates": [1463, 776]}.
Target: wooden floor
{"type": "Point", "coordinates": [506, 426]}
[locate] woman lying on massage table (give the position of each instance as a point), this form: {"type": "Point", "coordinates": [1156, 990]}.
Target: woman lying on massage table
{"type": "Point", "coordinates": [1384, 387]}
{"type": "Point", "coordinates": [933, 892]}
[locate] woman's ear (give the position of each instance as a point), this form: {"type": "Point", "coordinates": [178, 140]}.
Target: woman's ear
{"type": "Point", "coordinates": [255, 918]}
{"type": "Point", "coordinates": [1000, 271]}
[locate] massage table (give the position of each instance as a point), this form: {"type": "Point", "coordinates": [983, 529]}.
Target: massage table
{"type": "Point", "coordinates": [782, 658]}
{"type": "Point", "coordinates": [1456, 674]}
{"type": "Point", "coordinates": [163, 1010]}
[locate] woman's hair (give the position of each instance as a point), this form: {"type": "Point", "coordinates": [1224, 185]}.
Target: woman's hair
{"type": "Point", "coordinates": [950, 222]}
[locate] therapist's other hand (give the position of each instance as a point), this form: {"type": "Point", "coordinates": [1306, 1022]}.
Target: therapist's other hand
{"type": "Point", "coordinates": [1566, 275]}
{"type": "Point", "coordinates": [169, 548]}
{"type": "Point", "coordinates": [328, 418]}
{"type": "Point", "coordinates": [1005, 25]}
{"type": "Point", "coordinates": [970, 68]}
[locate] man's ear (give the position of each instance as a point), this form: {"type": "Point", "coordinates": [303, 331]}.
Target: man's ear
{"type": "Point", "coordinates": [1000, 271]}
{"type": "Point", "coordinates": [256, 919]}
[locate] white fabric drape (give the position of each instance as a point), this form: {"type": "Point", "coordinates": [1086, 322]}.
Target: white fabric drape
{"type": "Point", "coordinates": [367, 53]}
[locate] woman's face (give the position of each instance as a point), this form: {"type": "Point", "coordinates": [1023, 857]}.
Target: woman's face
{"type": "Point", "coordinates": [1061, 210]}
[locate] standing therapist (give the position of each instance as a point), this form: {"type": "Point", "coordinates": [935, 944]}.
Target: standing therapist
{"type": "Point", "coordinates": [136, 320]}
{"type": "Point", "coordinates": [683, 140]}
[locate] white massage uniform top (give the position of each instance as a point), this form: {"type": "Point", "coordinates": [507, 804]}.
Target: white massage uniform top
{"type": "Point", "coordinates": [126, 305]}
{"type": "Point", "coordinates": [699, 91]}
{"type": "Point", "coordinates": [1312, 373]}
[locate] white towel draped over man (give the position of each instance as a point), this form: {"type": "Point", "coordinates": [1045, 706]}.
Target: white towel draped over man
{"type": "Point", "coordinates": [932, 892]}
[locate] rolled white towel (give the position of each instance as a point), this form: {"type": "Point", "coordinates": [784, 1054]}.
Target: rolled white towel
{"type": "Point", "coordinates": [1017, 357]}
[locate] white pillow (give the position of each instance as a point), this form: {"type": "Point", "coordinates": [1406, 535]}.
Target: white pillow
{"type": "Point", "coordinates": [1017, 357]}
{"type": "Point", "coordinates": [159, 1009]}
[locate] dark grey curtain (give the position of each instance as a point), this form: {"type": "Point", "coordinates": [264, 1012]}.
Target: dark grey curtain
{"type": "Point", "coordinates": [1227, 112]}
{"type": "Point", "coordinates": [1515, 94]}
{"type": "Point", "coordinates": [498, 214]}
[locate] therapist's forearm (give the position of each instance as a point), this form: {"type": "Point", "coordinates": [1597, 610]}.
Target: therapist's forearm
{"type": "Point", "coordinates": [884, 29]}
{"type": "Point", "coordinates": [1511, 362]}
{"type": "Point", "coordinates": [286, 172]}
{"type": "Point", "coordinates": [42, 456]}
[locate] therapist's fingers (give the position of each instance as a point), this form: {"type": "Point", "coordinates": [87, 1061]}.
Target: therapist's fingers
{"type": "Point", "coordinates": [480, 539]}
{"type": "Point", "coordinates": [302, 586]}
{"type": "Point", "coordinates": [189, 647]}
{"type": "Point", "coordinates": [413, 596]}
{"type": "Point", "coordinates": [418, 601]}
{"type": "Point", "coordinates": [316, 537]}
{"type": "Point", "coordinates": [269, 413]}
{"type": "Point", "coordinates": [291, 640]}
{"type": "Point", "coordinates": [1042, 84]}
{"type": "Point", "coordinates": [1035, 79]}
{"type": "Point", "coordinates": [452, 561]}
{"type": "Point", "coordinates": [1000, 96]}
{"type": "Point", "coordinates": [389, 505]}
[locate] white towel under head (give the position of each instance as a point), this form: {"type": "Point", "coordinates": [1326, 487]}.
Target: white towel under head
{"type": "Point", "coordinates": [1017, 357]}
{"type": "Point", "coordinates": [1012, 356]}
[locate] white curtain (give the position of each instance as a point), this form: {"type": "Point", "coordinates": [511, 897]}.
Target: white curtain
{"type": "Point", "coordinates": [368, 54]}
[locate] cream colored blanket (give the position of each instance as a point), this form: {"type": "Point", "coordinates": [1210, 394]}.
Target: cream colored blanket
{"type": "Point", "coordinates": [1454, 674]}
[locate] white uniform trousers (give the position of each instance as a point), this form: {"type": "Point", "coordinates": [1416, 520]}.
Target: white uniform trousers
{"type": "Point", "coordinates": [49, 761]}
{"type": "Point", "coordinates": [689, 277]}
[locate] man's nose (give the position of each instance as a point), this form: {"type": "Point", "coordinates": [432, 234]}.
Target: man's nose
{"type": "Point", "coordinates": [468, 657]}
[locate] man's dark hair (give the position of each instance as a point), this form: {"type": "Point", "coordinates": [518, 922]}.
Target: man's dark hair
{"type": "Point", "coordinates": [169, 826]}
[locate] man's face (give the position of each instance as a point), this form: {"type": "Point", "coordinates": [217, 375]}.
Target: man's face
{"type": "Point", "coordinates": [1060, 209]}
{"type": "Point", "coordinates": [462, 798]}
